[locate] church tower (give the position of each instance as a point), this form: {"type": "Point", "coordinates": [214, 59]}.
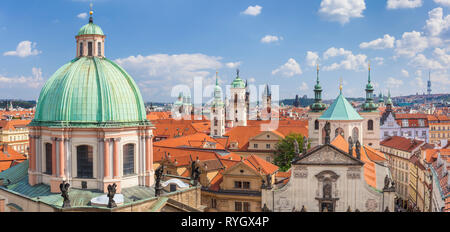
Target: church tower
{"type": "Point", "coordinates": [316, 111]}
{"type": "Point", "coordinates": [371, 115]}
{"type": "Point", "coordinates": [238, 110]}
{"type": "Point", "coordinates": [217, 114]}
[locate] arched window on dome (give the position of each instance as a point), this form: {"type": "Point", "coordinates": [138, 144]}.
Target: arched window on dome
{"type": "Point", "coordinates": [316, 125]}
{"type": "Point", "coordinates": [90, 49]}
{"type": "Point", "coordinates": [85, 160]}
{"type": "Point", "coordinates": [128, 159]}
{"type": "Point", "coordinates": [48, 158]}
{"type": "Point", "coordinates": [81, 49]}
{"type": "Point", "coordinates": [370, 125]}
{"type": "Point", "coordinates": [339, 131]}
{"type": "Point", "coordinates": [99, 46]}
{"type": "Point", "coordinates": [355, 134]}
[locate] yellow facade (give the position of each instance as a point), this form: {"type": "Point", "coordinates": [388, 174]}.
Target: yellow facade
{"type": "Point", "coordinates": [16, 137]}
{"type": "Point", "coordinates": [439, 131]}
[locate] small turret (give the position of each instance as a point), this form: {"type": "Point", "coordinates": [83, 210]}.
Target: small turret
{"type": "Point", "coordinates": [318, 106]}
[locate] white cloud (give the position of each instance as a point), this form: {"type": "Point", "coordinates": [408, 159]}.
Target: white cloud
{"type": "Point", "coordinates": [419, 83]}
{"type": "Point", "coordinates": [411, 44]}
{"type": "Point", "coordinates": [34, 81]}
{"type": "Point", "coordinates": [397, 4]}
{"type": "Point", "coordinates": [393, 83]}
{"type": "Point", "coordinates": [157, 74]}
{"type": "Point", "coordinates": [405, 73]}
{"type": "Point", "coordinates": [421, 61]}
{"type": "Point", "coordinates": [443, 2]}
{"type": "Point", "coordinates": [289, 69]}
{"type": "Point", "coordinates": [253, 10]}
{"type": "Point", "coordinates": [271, 39]}
{"type": "Point", "coordinates": [379, 60]}
{"type": "Point", "coordinates": [303, 87]}
{"type": "Point", "coordinates": [333, 52]}
{"type": "Point", "coordinates": [233, 64]}
{"type": "Point", "coordinates": [312, 58]}
{"type": "Point", "coordinates": [436, 24]}
{"type": "Point", "coordinates": [251, 80]}
{"type": "Point", "coordinates": [24, 49]}
{"type": "Point", "coordinates": [82, 15]}
{"type": "Point", "coordinates": [350, 61]}
{"type": "Point", "coordinates": [382, 43]}
{"type": "Point", "coordinates": [442, 56]}
{"type": "Point", "coordinates": [342, 10]}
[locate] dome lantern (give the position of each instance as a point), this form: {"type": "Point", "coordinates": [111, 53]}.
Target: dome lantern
{"type": "Point", "coordinates": [90, 39]}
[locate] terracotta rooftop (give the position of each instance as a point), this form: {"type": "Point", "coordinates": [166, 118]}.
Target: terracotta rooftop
{"type": "Point", "coordinates": [401, 143]}
{"type": "Point", "coordinates": [197, 140]}
{"type": "Point", "coordinates": [13, 124]}
{"type": "Point", "coordinates": [9, 158]}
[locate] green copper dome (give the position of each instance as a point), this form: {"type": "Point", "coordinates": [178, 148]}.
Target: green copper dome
{"type": "Point", "coordinates": [340, 110]}
{"type": "Point", "coordinates": [90, 92]}
{"type": "Point", "coordinates": [90, 29]}
{"type": "Point", "coordinates": [238, 83]}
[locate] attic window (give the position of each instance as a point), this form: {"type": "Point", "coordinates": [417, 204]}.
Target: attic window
{"type": "Point", "coordinates": [242, 171]}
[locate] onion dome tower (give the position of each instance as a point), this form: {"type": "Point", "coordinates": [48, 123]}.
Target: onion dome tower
{"type": "Point", "coordinates": [239, 107]}
{"type": "Point", "coordinates": [369, 105]}
{"type": "Point", "coordinates": [217, 112]}
{"type": "Point", "coordinates": [90, 128]}
{"type": "Point", "coordinates": [318, 106]}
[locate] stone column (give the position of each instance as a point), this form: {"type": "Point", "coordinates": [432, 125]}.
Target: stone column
{"type": "Point", "coordinates": [106, 162]}
{"type": "Point", "coordinates": [62, 160]}
{"type": "Point", "coordinates": [148, 160]}
{"type": "Point", "coordinates": [32, 153]}
{"type": "Point", "coordinates": [116, 158]}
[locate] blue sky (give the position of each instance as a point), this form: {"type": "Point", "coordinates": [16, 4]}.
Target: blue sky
{"type": "Point", "coordinates": [163, 43]}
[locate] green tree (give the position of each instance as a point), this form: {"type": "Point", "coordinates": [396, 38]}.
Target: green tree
{"type": "Point", "coordinates": [285, 151]}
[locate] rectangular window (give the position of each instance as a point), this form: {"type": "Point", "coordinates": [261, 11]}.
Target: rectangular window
{"type": "Point", "coordinates": [238, 206]}
{"type": "Point", "coordinates": [213, 203]}
{"type": "Point", "coordinates": [238, 184]}
{"type": "Point", "coordinates": [128, 159]}
{"type": "Point", "coordinates": [405, 123]}
{"type": "Point", "coordinates": [268, 146]}
{"type": "Point", "coordinates": [173, 187]}
{"type": "Point", "coordinates": [85, 159]}
{"type": "Point", "coordinates": [255, 145]}
{"type": "Point", "coordinates": [48, 158]}
{"type": "Point", "coordinates": [246, 206]}
{"type": "Point", "coordinates": [99, 48]}
{"type": "Point", "coordinates": [246, 185]}
{"type": "Point", "coordinates": [90, 49]}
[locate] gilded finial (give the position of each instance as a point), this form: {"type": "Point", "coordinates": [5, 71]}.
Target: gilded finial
{"type": "Point", "coordinates": [91, 12]}
{"type": "Point", "coordinates": [369, 65]}
{"type": "Point", "coordinates": [340, 84]}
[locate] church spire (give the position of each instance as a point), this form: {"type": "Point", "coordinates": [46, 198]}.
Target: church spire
{"type": "Point", "coordinates": [369, 105]}
{"type": "Point", "coordinates": [91, 12]}
{"type": "Point", "coordinates": [318, 105]}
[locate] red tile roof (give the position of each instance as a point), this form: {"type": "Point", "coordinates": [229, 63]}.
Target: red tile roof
{"type": "Point", "coordinates": [13, 124]}
{"type": "Point", "coordinates": [10, 158]}
{"type": "Point", "coordinates": [198, 140]}
{"type": "Point", "coordinates": [401, 143]}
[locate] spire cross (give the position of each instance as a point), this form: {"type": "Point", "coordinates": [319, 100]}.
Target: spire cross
{"type": "Point", "coordinates": [91, 12]}
{"type": "Point", "coordinates": [317, 73]}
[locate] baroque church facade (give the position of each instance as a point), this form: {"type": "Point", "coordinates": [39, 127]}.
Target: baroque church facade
{"type": "Point", "coordinates": [343, 170]}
